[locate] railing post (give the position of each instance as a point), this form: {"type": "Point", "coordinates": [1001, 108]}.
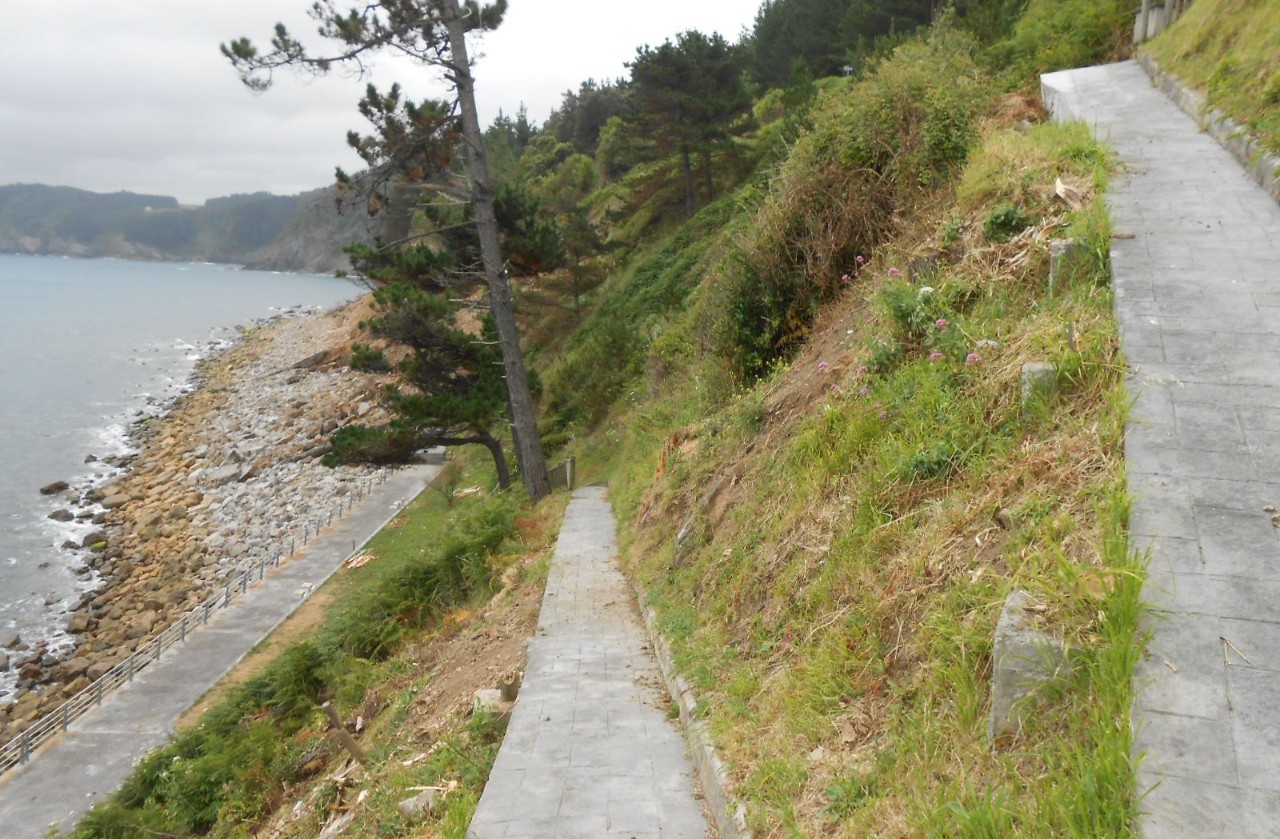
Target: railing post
{"type": "Point", "coordinates": [226, 596]}
{"type": "Point", "coordinates": [159, 647]}
{"type": "Point", "coordinates": [98, 691]}
{"type": "Point", "coordinates": [66, 716]}
{"type": "Point", "coordinates": [131, 667]}
{"type": "Point", "coordinates": [183, 629]}
{"type": "Point", "coordinates": [24, 752]}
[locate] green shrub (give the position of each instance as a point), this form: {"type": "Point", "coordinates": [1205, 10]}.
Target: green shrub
{"type": "Point", "coordinates": [1058, 34]}
{"type": "Point", "coordinates": [368, 359]}
{"type": "Point", "coordinates": [1005, 222]}
{"type": "Point", "coordinates": [362, 444]}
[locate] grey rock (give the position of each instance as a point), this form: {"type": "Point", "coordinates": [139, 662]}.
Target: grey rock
{"type": "Point", "coordinates": [54, 488]}
{"type": "Point", "coordinates": [420, 805]}
{"type": "Point", "coordinates": [62, 514]}
{"type": "Point", "coordinates": [114, 502]}
{"type": "Point", "coordinates": [223, 475]}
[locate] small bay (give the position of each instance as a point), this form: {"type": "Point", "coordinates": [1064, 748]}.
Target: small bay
{"type": "Point", "coordinates": [87, 348]}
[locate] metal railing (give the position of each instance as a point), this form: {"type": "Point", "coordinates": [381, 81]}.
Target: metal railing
{"type": "Point", "coordinates": [20, 749]}
{"type": "Point", "coordinates": [564, 475]}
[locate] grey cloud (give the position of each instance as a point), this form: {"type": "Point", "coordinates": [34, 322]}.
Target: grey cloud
{"type": "Point", "coordinates": [133, 94]}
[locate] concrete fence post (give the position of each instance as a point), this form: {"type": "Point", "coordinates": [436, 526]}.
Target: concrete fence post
{"type": "Point", "coordinates": [1141, 27]}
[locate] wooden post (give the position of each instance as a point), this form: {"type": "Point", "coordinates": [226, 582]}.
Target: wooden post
{"type": "Point", "coordinates": [348, 742]}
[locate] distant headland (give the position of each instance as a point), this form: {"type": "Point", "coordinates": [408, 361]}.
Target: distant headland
{"type": "Point", "coordinates": [303, 233]}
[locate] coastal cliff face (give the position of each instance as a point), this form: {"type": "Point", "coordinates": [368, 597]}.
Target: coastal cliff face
{"type": "Point", "coordinates": [302, 233]}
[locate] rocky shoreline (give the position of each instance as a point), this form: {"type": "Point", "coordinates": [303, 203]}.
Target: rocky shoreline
{"type": "Point", "coordinates": [218, 481]}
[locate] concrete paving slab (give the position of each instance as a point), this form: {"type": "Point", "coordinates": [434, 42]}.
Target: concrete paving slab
{"type": "Point", "coordinates": [589, 751]}
{"type": "Point", "coordinates": [1198, 304]}
{"type": "Point", "coordinates": [89, 762]}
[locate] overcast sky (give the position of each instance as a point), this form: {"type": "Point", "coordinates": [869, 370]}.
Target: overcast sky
{"type": "Point", "coordinates": [133, 95]}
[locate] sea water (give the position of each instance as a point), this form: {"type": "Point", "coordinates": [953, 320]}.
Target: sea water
{"type": "Point", "coordinates": [89, 347]}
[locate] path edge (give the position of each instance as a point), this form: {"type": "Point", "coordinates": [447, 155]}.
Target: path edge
{"type": "Point", "coordinates": [730, 815]}
{"type": "Point", "coordinates": [1259, 164]}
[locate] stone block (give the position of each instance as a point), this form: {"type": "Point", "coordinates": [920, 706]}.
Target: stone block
{"type": "Point", "coordinates": [1038, 378]}
{"type": "Point", "coordinates": [1067, 259]}
{"type": "Point", "coordinates": [489, 700]}
{"type": "Point", "coordinates": [1024, 658]}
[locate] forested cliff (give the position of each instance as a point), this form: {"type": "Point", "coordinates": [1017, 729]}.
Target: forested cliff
{"type": "Point", "coordinates": [281, 233]}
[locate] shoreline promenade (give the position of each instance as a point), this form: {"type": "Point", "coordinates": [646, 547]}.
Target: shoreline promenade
{"type": "Point", "coordinates": [90, 761]}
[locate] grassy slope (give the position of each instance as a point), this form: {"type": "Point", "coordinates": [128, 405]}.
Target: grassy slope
{"type": "Point", "coordinates": [858, 517]}
{"type": "Point", "coordinates": [265, 745]}
{"type": "Point", "coordinates": [1231, 50]}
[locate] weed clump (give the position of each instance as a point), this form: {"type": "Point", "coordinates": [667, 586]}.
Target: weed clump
{"type": "Point", "coordinates": [879, 146]}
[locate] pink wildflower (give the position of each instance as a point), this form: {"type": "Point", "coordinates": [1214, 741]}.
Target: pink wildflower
{"type": "Point", "coordinates": [861, 259]}
{"type": "Point", "coordinates": [863, 392]}
{"type": "Point", "coordinates": [823, 366]}
{"type": "Point", "coordinates": [936, 356]}
{"type": "Point", "coordinates": [862, 369]}
{"type": "Point", "coordinates": [884, 415]}
{"type": "Point", "coordinates": [972, 359]}
{"type": "Point", "coordinates": [895, 272]}
{"type": "Point", "coordinates": [942, 323]}
{"type": "Point", "coordinates": [846, 278]}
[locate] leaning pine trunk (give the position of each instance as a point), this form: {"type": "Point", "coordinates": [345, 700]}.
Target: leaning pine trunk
{"type": "Point", "coordinates": [499, 459]}
{"type": "Point", "coordinates": [533, 467]}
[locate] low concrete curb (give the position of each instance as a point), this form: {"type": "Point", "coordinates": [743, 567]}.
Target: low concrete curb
{"type": "Point", "coordinates": [1260, 165]}
{"type": "Point", "coordinates": [730, 816]}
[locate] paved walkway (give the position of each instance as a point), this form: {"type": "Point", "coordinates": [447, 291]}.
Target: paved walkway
{"type": "Point", "coordinates": [589, 753]}
{"type": "Point", "coordinates": [1198, 301]}
{"type": "Point", "coordinates": [89, 762]}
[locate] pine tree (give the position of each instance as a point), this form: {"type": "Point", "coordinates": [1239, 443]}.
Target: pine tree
{"type": "Point", "coordinates": [684, 96]}
{"type": "Point", "coordinates": [433, 32]}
